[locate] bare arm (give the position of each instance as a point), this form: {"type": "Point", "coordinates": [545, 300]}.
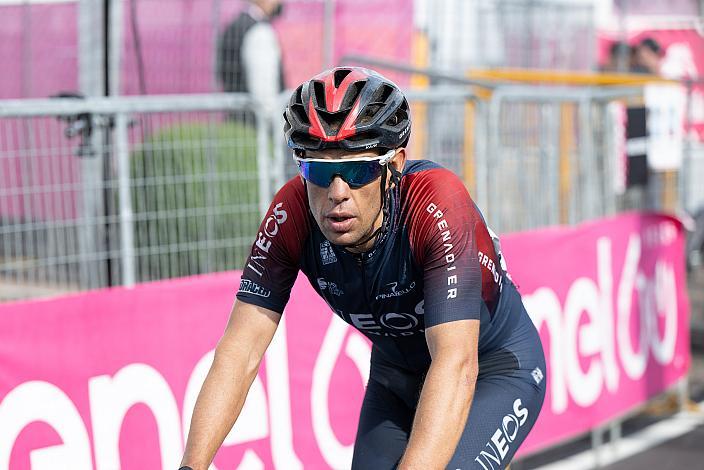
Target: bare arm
{"type": "Point", "coordinates": [446, 397]}
{"type": "Point", "coordinates": [237, 358]}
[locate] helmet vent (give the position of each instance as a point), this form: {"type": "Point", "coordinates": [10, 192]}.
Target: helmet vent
{"type": "Point", "coordinates": [305, 140]}
{"type": "Point", "coordinates": [401, 115]}
{"type": "Point", "coordinates": [332, 121]}
{"type": "Point", "coordinates": [376, 103]}
{"type": "Point", "coordinates": [339, 76]}
{"type": "Point", "coordinates": [298, 98]}
{"type": "Point", "coordinates": [393, 120]}
{"type": "Point", "coordinates": [300, 113]}
{"type": "Point", "coordinates": [369, 113]}
{"type": "Point", "coordinates": [319, 92]}
{"type": "Point", "coordinates": [351, 95]}
{"type": "Point", "coordinates": [382, 94]}
{"type": "Point", "coordinates": [364, 136]}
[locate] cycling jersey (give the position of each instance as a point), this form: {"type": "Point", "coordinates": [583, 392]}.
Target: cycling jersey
{"type": "Point", "coordinates": [434, 262]}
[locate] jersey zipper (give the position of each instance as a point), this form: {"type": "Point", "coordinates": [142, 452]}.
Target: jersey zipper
{"type": "Point", "coordinates": [364, 281]}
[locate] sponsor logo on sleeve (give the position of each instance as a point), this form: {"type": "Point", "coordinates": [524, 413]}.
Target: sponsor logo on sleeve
{"type": "Point", "coordinates": [489, 264]}
{"type": "Point", "coordinates": [444, 230]}
{"type": "Point", "coordinates": [270, 228]}
{"type": "Point", "coordinates": [253, 288]}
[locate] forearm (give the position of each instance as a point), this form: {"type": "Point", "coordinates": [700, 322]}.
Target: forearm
{"type": "Point", "coordinates": [218, 405]}
{"type": "Point", "coordinates": [441, 414]}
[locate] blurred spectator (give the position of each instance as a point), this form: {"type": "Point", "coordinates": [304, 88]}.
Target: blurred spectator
{"type": "Point", "coordinates": [648, 55]}
{"type": "Point", "coordinates": [249, 55]}
{"type": "Point", "coordinates": [620, 57]}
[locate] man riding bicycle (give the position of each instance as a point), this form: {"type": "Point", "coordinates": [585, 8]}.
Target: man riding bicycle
{"type": "Point", "coordinates": [457, 368]}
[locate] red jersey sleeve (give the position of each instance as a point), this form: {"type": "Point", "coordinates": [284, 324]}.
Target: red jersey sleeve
{"type": "Point", "coordinates": [442, 221]}
{"type": "Point", "coordinates": [274, 260]}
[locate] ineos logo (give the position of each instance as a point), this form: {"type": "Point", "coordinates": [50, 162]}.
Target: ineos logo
{"type": "Point", "coordinates": [500, 442]}
{"type": "Point", "coordinates": [398, 321]}
{"type": "Point", "coordinates": [262, 244]}
{"type": "Point", "coordinates": [420, 308]}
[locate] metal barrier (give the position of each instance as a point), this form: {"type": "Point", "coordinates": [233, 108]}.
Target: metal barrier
{"type": "Point", "coordinates": [104, 192]}
{"type": "Point", "coordinates": [113, 191]}
{"type": "Point", "coordinates": [548, 158]}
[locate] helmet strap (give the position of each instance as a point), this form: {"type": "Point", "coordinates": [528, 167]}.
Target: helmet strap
{"type": "Point", "coordinates": [395, 181]}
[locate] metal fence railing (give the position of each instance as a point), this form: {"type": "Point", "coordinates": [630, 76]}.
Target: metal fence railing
{"type": "Point", "coordinates": [106, 192]}
{"type": "Point", "coordinates": [549, 157]}
{"type": "Point", "coordinates": [114, 191]}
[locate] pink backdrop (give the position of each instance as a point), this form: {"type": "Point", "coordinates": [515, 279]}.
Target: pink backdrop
{"type": "Point", "coordinates": [610, 300]}
{"type": "Point", "coordinates": [112, 375]}
{"type": "Point", "coordinates": [39, 44]}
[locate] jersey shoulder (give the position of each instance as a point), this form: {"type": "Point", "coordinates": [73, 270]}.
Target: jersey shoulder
{"type": "Point", "coordinates": [425, 182]}
{"type": "Point", "coordinates": [417, 166]}
{"type": "Point", "coordinates": [292, 201]}
{"type": "Point", "coordinates": [274, 260]}
{"type": "Point", "coordinates": [282, 232]}
{"type": "Point", "coordinates": [434, 200]}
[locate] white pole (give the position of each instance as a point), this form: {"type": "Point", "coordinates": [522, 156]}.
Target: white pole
{"type": "Point", "coordinates": [126, 214]}
{"type": "Point", "coordinates": [115, 47]}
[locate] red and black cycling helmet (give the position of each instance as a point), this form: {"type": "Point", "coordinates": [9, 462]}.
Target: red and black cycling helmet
{"type": "Point", "coordinates": [349, 108]}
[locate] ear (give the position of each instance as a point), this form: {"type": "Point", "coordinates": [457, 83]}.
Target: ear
{"type": "Point", "coordinates": [399, 160]}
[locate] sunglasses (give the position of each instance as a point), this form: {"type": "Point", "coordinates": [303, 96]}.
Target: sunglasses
{"type": "Point", "coordinates": [356, 172]}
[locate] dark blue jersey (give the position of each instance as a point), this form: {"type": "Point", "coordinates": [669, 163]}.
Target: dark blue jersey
{"type": "Point", "coordinates": [435, 262]}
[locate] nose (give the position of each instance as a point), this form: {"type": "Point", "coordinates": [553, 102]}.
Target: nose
{"type": "Point", "coordinates": [339, 190]}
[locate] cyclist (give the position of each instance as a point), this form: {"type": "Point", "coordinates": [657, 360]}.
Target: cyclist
{"type": "Point", "coordinates": [398, 249]}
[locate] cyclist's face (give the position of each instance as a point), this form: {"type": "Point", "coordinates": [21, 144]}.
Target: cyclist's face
{"type": "Point", "coordinates": [344, 214]}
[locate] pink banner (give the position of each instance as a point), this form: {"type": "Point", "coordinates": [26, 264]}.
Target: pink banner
{"type": "Point", "coordinates": [610, 301]}
{"type": "Point", "coordinates": [108, 379]}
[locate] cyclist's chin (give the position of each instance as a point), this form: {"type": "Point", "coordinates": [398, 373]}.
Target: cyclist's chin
{"type": "Point", "coordinates": [348, 238]}
{"type": "Point", "coordinates": [342, 238]}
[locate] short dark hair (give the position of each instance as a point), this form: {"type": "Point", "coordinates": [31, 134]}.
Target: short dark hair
{"type": "Point", "coordinates": [651, 44]}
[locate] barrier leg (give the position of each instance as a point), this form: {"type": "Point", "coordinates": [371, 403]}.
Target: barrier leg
{"type": "Point", "coordinates": [597, 446]}
{"type": "Point", "coordinates": [614, 437]}
{"type": "Point", "coordinates": [683, 394]}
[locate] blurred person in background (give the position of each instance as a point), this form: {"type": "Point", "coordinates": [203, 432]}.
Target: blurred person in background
{"type": "Point", "coordinates": [620, 58]}
{"type": "Point", "coordinates": [648, 55]}
{"type": "Point", "coordinates": [399, 250]}
{"type": "Point", "coordinates": [249, 56]}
